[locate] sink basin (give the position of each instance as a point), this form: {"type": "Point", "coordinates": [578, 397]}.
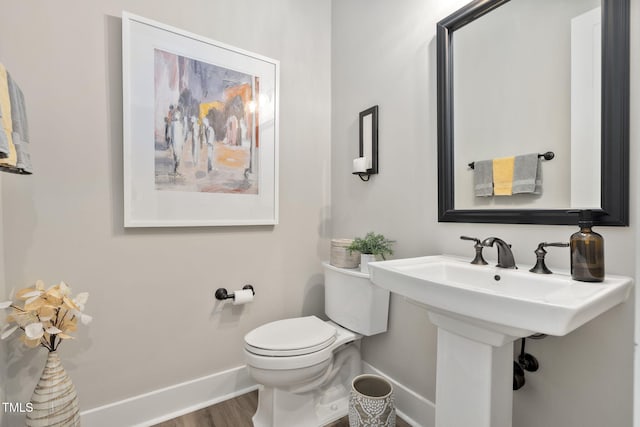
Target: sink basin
{"type": "Point", "coordinates": [516, 302]}
{"type": "Point", "coordinates": [479, 312]}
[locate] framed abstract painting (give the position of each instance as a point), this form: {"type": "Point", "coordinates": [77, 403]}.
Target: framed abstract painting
{"type": "Point", "coordinates": [200, 130]}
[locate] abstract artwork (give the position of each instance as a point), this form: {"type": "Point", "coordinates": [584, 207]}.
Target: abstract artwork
{"type": "Point", "coordinates": [205, 130]}
{"type": "Point", "coordinates": [200, 130]}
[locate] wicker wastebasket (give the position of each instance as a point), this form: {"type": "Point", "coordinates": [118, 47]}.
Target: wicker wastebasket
{"type": "Point", "coordinates": [340, 255]}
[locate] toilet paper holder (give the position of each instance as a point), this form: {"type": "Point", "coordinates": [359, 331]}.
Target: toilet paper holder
{"type": "Point", "coordinates": [222, 294]}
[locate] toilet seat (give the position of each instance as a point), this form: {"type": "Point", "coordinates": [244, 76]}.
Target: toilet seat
{"type": "Point", "coordinates": [290, 337]}
{"type": "Point", "coordinates": [320, 349]}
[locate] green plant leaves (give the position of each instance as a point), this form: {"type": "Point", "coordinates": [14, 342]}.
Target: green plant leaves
{"type": "Point", "coordinates": [374, 244]}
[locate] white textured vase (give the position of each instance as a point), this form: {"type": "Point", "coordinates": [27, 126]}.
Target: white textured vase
{"type": "Point", "coordinates": [365, 259]}
{"type": "Point", "coordinates": [54, 399]}
{"type": "Point", "coordinates": [371, 402]}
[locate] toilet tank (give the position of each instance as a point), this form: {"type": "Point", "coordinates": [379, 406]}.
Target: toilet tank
{"type": "Point", "coordinates": [352, 301]}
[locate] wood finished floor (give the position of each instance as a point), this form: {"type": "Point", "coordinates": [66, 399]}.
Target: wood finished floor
{"type": "Point", "coordinates": [236, 412]}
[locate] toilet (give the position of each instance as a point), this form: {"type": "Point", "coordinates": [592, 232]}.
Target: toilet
{"type": "Point", "coordinates": [305, 365]}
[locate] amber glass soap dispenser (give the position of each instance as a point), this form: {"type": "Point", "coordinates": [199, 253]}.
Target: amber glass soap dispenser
{"type": "Point", "coordinates": [587, 251]}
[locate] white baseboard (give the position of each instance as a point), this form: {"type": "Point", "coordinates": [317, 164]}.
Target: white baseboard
{"type": "Point", "coordinates": [412, 407]}
{"type": "Point", "coordinates": [636, 383]}
{"type": "Point", "coordinates": [170, 402]}
{"type": "Point", "coordinates": [164, 404]}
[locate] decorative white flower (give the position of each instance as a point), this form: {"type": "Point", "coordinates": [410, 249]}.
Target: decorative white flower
{"type": "Point", "coordinates": [34, 331]}
{"type": "Point", "coordinates": [52, 330]}
{"type": "Point", "coordinates": [85, 319]}
{"type": "Point", "coordinates": [7, 330]}
{"type": "Point", "coordinates": [47, 316]}
{"type": "Point", "coordinates": [32, 296]}
{"type": "Point", "coordinates": [81, 299]}
{"type": "Point", "coordinates": [64, 289]}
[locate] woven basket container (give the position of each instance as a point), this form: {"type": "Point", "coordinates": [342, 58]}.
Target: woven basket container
{"type": "Point", "coordinates": [340, 256]}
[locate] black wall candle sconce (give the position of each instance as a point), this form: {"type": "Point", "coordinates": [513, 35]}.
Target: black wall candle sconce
{"type": "Point", "coordinates": [367, 163]}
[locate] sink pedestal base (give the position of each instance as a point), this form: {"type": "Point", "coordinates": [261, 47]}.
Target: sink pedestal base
{"type": "Point", "coordinates": [474, 384]}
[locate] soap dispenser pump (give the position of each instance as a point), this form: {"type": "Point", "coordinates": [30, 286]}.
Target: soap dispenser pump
{"type": "Point", "coordinates": [587, 251]}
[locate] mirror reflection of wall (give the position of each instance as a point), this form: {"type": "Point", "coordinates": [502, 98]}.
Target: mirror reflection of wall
{"type": "Point", "coordinates": [519, 78]}
{"type": "Point", "coordinates": [586, 91]}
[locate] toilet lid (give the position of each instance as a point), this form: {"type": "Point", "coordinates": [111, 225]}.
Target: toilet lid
{"type": "Point", "coordinates": [290, 337]}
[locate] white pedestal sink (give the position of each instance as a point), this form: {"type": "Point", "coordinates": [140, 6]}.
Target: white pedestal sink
{"type": "Point", "coordinates": [479, 312]}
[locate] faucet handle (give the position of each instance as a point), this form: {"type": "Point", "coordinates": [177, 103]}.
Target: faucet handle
{"type": "Point", "coordinates": [556, 244]}
{"type": "Point", "coordinates": [478, 260]}
{"type": "Point", "coordinates": [473, 239]}
{"type": "Point", "coordinates": [540, 266]}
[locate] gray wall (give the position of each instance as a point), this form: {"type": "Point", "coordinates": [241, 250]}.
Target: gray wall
{"type": "Point", "coordinates": [3, 297]}
{"type": "Point", "coordinates": [156, 322]}
{"type": "Point", "coordinates": [384, 53]}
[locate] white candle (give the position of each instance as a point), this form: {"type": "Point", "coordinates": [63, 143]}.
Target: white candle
{"type": "Point", "coordinates": [360, 164]}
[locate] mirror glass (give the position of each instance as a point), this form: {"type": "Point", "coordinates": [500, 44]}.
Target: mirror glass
{"type": "Point", "coordinates": [533, 76]}
{"type": "Point", "coordinates": [536, 90]}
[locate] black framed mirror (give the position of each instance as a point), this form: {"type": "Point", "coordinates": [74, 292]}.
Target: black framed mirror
{"type": "Point", "coordinates": [614, 126]}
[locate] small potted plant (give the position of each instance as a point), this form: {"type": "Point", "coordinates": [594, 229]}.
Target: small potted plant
{"type": "Point", "coordinates": [371, 247]}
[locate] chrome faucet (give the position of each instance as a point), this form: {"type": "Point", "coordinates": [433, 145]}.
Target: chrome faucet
{"type": "Point", "coordinates": [505, 256]}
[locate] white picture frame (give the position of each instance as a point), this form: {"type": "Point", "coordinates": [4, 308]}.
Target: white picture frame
{"type": "Point", "coordinates": [200, 124]}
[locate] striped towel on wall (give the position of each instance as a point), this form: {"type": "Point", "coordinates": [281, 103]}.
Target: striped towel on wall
{"type": "Point", "coordinates": [14, 128]}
